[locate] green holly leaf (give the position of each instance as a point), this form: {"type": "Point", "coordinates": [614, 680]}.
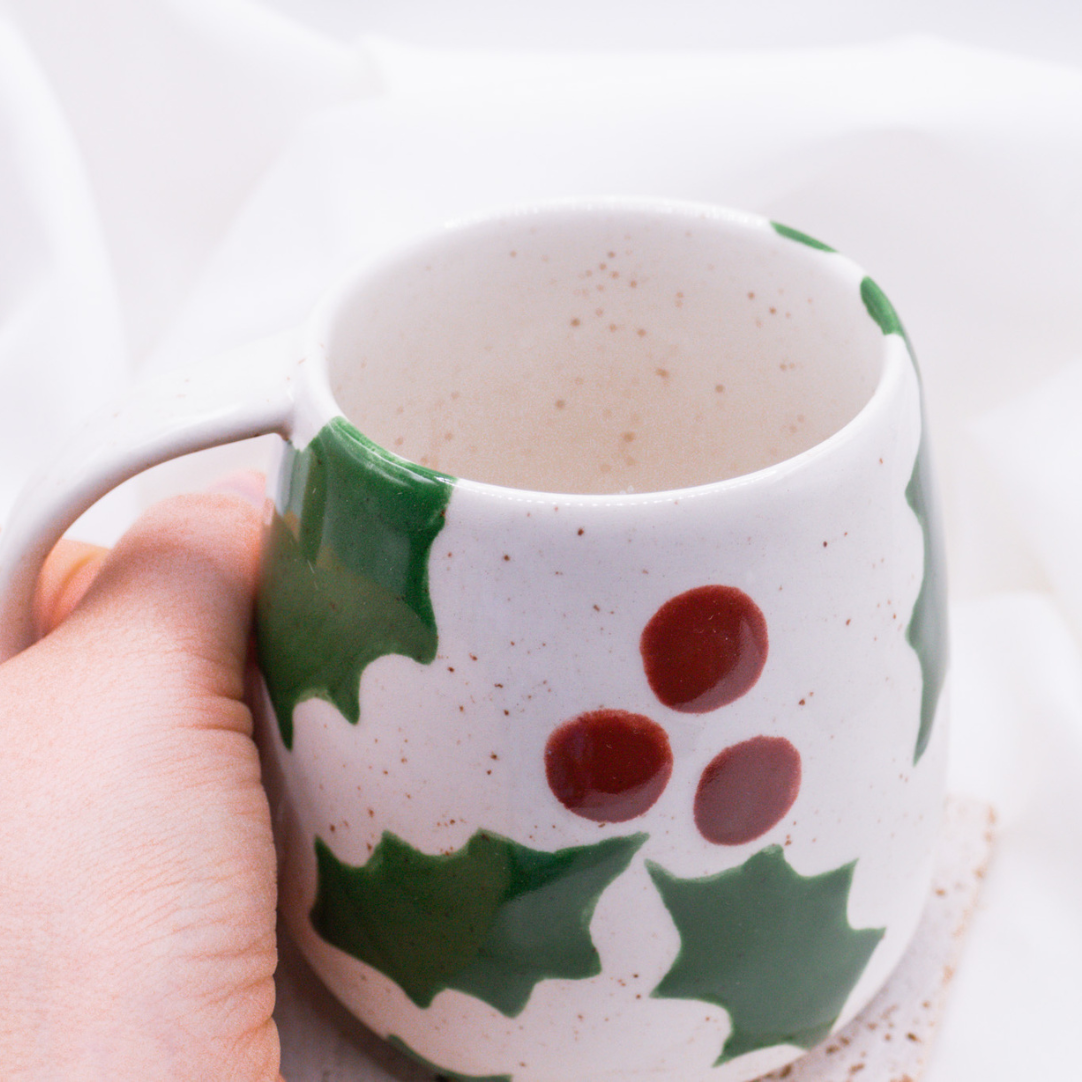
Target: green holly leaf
{"type": "Point", "coordinates": [800, 238]}
{"type": "Point", "coordinates": [772, 947]}
{"type": "Point", "coordinates": [883, 312]}
{"type": "Point", "coordinates": [927, 629]}
{"type": "Point", "coordinates": [345, 570]}
{"type": "Point", "coordinates": [491, 919]}
{"type": "Point", "coordinates": [442, 1072]}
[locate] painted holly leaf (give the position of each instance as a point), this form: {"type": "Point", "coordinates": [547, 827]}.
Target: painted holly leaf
{"type": "Point", "coordinates": [490, 919]}
{"type": "Point", "coordinates": [772, 947]}
{"type": "Point", "coordinates": [442, 1072]}
{"type": "Point", "coordinates": [801, 238]}
{"type": "Point", "coordinates": [345, 570]}
{"type": "Point", "coordinates": [884, 313]}
{"type": "Point", "coordinates": [927, 630]}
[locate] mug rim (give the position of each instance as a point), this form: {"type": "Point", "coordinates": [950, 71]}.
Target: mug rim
{"type": "Point", "coordinates": [895, 352]}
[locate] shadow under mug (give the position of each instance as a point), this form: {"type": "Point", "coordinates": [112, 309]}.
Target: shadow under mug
{"type": "Point", "coordinates": [602, 632]}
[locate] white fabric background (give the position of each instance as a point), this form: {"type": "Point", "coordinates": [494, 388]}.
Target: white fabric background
{"type": "Point", "coordinates": [177, 176]}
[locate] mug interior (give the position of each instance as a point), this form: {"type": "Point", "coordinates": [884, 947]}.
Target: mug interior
{"type": "Point", "coordinates": [604, 348]}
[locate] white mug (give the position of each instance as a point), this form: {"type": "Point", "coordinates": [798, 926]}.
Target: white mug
{"type": "Point", "coordinates": [602, 631]}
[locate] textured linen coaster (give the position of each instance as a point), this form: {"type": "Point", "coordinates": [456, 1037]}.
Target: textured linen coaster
{"type": "Point", "coordinates": [889, 1041]}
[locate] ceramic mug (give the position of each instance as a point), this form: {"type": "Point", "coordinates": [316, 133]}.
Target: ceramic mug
{"type": "Point", "coordinates": [602, 671]}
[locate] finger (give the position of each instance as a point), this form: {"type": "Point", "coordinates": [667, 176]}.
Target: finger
{"type": "Point", "coordinates": [249, 485]}
{"type": "Point", "coordinates": [72, 565]}
{"type": "Point", "coordinates": [172, 602]}
{"type": "Point", "coordinates": [66, 576]}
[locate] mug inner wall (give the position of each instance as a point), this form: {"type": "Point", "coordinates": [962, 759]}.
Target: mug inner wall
{"type": "Point", "coordinates": [598, 351]}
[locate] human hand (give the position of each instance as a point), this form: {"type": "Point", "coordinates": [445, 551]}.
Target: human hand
{"type": "Point", "coordinates": [137, 867]}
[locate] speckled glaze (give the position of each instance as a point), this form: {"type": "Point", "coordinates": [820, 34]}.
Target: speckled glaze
{"type": "Point", "coordinates": [558, 844]}
{"type": "Point", "coordinates": [602, 631]}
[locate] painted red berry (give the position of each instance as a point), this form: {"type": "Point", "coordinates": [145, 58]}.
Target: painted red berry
{"type": "Point", "coordinates": [608, 765]}
{"type": "Point", "coordinates": [746, 789]}
{"type": "Point", "coordinates": [704, 648]}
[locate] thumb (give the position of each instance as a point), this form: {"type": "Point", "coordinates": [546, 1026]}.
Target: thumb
{"type": "Point", "coordinates": [73, 565]}
{"type": "Point", "coordinates": [66, 576]}
{"type": "Point", "coordinates": [175, 592]}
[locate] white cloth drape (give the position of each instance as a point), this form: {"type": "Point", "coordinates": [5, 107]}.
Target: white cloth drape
{"type": "Point", "coordinates": [178, 176]}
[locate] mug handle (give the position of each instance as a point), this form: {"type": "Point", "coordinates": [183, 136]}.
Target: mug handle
{"type": "Point", "coordinates": [247, 392]}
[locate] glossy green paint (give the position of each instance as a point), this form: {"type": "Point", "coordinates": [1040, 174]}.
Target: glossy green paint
{"type": "Point", "coordinates": [883, 312]}
{"type": "Point", "coordinates": [490, 919]}
{"type": "Point", "coordinates": [345, 569]}
{"type": "Point", "coordinates": [772, 947]}
{"type": "Point", "coordinates": [442, 1072]}
{"type": "Point", "coordinates": [801, 238]}
{"type": "Point", "coordinates": [927, 630]}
